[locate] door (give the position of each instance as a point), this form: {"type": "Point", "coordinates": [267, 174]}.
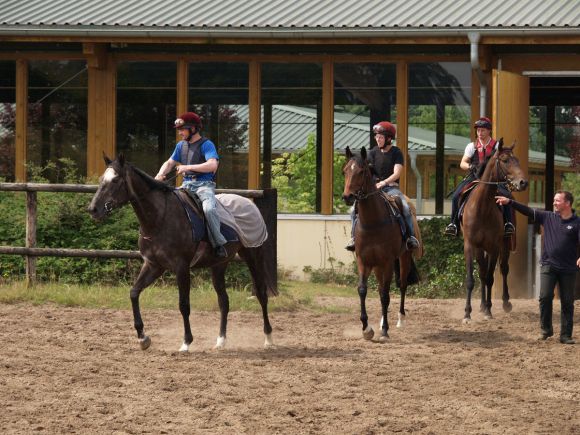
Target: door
{"type": "Point", "coordinates": [510, 107]}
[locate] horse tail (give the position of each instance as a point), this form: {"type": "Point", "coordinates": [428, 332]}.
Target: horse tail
{"type": "Point", "coordinates": [263, 276]}
{"type": "Point", "coordinates": [413, 276]}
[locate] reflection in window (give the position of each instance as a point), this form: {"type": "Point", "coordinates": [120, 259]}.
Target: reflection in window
{"type": "Point", "coordinates": [218, 92]}
{"type": "Point", "coordinates": [146, 96]}
{"type": "Point", "coordinates": [439, 130]}
{"type": "Point", "coordinates": [364, 94]}
{"type": "Point", "coordinates": [7, 119]}
{"type": "Point", "coordinates": [291, 134]}
{"type": "Point", "coordinates": [57, 118]}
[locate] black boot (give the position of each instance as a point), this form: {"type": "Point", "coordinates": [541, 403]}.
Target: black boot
{"type": "Point", "coordinates": [221, 251]}
{"type": "Point", "coordinates": [350, 245]}
{"type": "Point", "coordinates": [451, 229]}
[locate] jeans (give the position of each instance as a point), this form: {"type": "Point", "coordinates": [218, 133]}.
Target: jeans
{"type": "Point", "coordinates": [406, 212]}
{"type": "Point", "coordinates": [566, 280]}
{"type": "Point", "coordinates": [206, 192]}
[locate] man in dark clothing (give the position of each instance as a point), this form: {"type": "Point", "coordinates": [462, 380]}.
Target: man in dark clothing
{"type": "Point", "coordinates": [559, 260]}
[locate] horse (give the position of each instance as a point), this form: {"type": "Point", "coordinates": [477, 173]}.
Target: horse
{"type": "Point", "coordinates": [166, 242]}
{"type": "Point", "coordinates": [483, 228]}
{"type": "Point", "coordinates": [378, 241]}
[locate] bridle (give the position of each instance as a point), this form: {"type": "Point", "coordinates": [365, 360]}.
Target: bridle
{"type": "Point", "coordinates": [502, 176]}
{"type": "Point", "coordinates": [360, 194]}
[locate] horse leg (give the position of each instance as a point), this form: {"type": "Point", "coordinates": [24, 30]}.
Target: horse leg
{"type": "Point", "coordinates": [505, 269]}
{"type": "Point", "coordinates": [149, 272]}
{"type": "Point", "coordinates": [384, 277]}
{"type": "Point", "coordinates": [481, 259]}
{"type": "Point", "coordinates": [183, 283]}
{"type": "Point", "coordinates": [219, 284]}
{"type": "Point", "coordinates": [364, 272]}
{"type": "Point", "coordinates": [492, 261]}
{"type": "Point", "coordinates": [406, 262]}
{"type": "Point", "coordinates": [254, 259]}
{"type": "Point", "coordinates": [469, 282]}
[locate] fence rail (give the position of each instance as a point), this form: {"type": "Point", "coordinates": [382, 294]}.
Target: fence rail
{"type": "Point", "coordinates": [266, 200]}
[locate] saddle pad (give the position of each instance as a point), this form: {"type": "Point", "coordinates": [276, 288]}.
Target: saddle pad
{"type": "Point", "coordinates": [242, 215]}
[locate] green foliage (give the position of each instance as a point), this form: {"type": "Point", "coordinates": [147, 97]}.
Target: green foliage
{"type": "Point", "coordinates": [571, 183]}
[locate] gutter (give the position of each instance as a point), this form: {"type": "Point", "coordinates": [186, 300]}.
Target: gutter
{"type": "Point", "coordinates": [291, 33]}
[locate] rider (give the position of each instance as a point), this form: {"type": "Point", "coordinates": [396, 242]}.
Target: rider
{"type": "Point", "coordinates": [199, 162]}
{"type": "Point", "coordinates": [387, 163]}
{"type": "Point", "coordinates": [477, 154]}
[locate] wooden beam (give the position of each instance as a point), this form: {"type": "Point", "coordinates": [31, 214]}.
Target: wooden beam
{"type": "Point", "coordinates": [327, 138]}
{"type": "Point", "coordinates": [96, 54]}
{"type": "Point", "coordinates": [254, 125]}
{"type": "Point", "coordinates": [403, 117]}
{"type": "Point", "coordinates": [21, 119]}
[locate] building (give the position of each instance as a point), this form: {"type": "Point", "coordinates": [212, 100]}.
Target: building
{"type": "Point", "coordinates": [82, 78]}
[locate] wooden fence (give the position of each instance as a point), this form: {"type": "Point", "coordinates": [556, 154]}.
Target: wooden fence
{"type": "Point", "coordinates": [266, 200]}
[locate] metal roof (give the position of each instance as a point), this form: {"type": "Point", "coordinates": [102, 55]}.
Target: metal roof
{"type": "Point", "coordinates": [333, 17]}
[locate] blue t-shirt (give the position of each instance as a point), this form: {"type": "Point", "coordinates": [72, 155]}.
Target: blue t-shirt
{"type": "Point", "coordinates": [208, 151]}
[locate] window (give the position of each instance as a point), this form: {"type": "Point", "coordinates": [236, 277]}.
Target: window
{"type": "Point", "coordinates": [146, 96]}
{"type": "Point", "coordinates": [7, 119]}
{"type": "Point", "coordinates": [439, 130]}
{"type": "Point", "coordinates": [218, 92]}
{"type": "Point", "coordinates": [57, 117]}
{"type": "Point", "coordinates": [291, 134]}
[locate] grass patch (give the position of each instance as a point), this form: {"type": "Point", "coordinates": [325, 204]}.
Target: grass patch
{"type": "Point", "coordinates": [294, 295]}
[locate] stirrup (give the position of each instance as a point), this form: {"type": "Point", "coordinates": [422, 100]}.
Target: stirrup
{"type": "Point", "coordinates": [451, 229]}
{"type": "Point", "coordinates": [221, 251]}
{"type": "Point", "coordinates": [350, 245]}
{"type": "Point", "coordinates": [508, 229]}
{"type": "Point", "coordinates": [412, 243]}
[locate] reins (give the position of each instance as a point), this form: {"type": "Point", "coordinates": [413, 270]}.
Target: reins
{"type": "Point", "coordinates": [498, 183]}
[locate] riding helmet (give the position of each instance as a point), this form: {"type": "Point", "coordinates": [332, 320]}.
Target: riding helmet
{"type": "Point", "coordinates": [188, 120]}
{"type": "Point", "coordinates": [386, 129]}
{"type": "Point", "coordinates": [483, 123]}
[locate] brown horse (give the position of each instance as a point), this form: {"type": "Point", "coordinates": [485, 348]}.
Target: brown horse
{"type": "Point", "coordinates": [166, 242]}
{"type": "Point", "coordinates": [378, 240]}
{"type": "Point", "coordinates": [483, 228]}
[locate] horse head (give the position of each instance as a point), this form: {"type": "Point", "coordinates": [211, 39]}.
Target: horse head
{"type": "Point", "coordinates": [504, 166]}
{"type": "Point", "coordinates": [113, 191]}
{"type": "Point", "coordinates": [357, 176]}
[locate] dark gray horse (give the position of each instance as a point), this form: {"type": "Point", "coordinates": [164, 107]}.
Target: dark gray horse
{"type": "Point", "coordinates": [166, 242]}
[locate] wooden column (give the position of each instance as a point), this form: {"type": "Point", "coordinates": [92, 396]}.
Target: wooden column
{"type": "Point", "coordinates": [21, 119]}
{"type": "Point", "coordinates": [101, 107]}
{"type": "Point", "coordinates": [327, 160]}
{"type": "Point", "coordinates": [254, 126]}
{"type": "Point", "coordinates": [30, 237]}
{"type": "Point", "coordinates": [403, 117]}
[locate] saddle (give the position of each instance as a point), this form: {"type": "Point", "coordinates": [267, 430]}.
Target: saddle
{"type": "Point", "coordinates": [193, 207]}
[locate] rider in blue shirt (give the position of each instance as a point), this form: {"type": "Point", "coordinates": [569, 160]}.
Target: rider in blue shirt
{"type": "Point", "coordinates": [198, 162]}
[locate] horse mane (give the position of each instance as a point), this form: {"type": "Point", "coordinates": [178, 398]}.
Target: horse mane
{"type": "Point", "coordinates": [149, 180]}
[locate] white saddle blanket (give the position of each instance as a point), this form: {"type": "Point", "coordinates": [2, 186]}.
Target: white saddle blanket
{"type": "Point", "coordinates": [242, 215]}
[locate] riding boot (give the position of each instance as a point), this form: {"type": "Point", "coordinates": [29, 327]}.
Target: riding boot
{"type": "Point", "coordinates": [411, 242]}
{"type": "Point", "coordinates": [451, 229]}
{"type": "Point", "coordinates": [353, 217]}
{"type": "Point", "coordinates": [509, 228]}
{"type": "Point", "coordinates": [220, 251]}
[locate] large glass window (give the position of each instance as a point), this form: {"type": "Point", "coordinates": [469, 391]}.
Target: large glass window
{"type": "Point", "coordinates": [291, 134]}
{"type": "Point", "coordinates": [364, 94]}
{"type": "Point", "coordinates": [439, 130]}
{"type": "Point", "coordinates": [57, 117]}
{"type": "Point", "coordinates": [7, 119]}
{"type": "Point", "coordinates": [218, 92]}
{"type": "Point", "coordinates": [146, 96]}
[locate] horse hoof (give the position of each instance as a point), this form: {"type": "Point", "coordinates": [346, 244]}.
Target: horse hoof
{"type": "Point", "coordinates": [368, 333]}
{"type": "Point", "coordinates": [488, 316]}
{"type": "Point", "coordinates": [384, 338]}
{"type": "Point", "coordinates": [466, 321]}
{"type": "Point", "coordinates": [144, 343]}
{"type": "Point", "coordinates": [268, 341]}
{"type": "Point", "coordinates": [184, 348]}
{"type": "Point", "coordinates": [220, 343]}
{"type": "Point", "coordinates": [507, 307]}
{"type": "Point", "coordinates": [401, 321]}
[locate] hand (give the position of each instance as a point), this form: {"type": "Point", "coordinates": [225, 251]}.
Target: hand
{"type": "Point", "coordinates": [181, 169]}
{"type": "Point", "coordinates": [578, 262]}
{"type": "Point", "coordinates": [472, 167]}
{"type": "Point", "coordinates": [160, 177]}
{"type": "Point", "coordinates": [502, 200]}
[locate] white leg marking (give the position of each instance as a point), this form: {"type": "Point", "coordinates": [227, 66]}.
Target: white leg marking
{"type": "Point", "coordinates": [184, 348]}
{"type": "Point", "coordinates": [220, 343]}
{"type": "Point", "coordinates": [401, 321]}
{"type": "Point", "coordinates": [382, 322]}
{"type": "Point", "coordinates": [268, 342]}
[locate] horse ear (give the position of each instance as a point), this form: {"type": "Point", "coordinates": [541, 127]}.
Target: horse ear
{"type": "Point", "coordinates": [121, 159]}
{"type": "Point", "coordinates": [348, 153]}
{"type": "Point", "coordinates": [363, 153]}
{"type": "Point", "coordinates": [500, 144]}
{"type": "Point", "coordinates": [108, 161]}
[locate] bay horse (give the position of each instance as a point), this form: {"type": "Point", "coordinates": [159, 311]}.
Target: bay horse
{"type": "Point", "coordinates": [378, 241]}
{"type": "Point", "coordinates": [483, 228]}
{"type": "Point", "coordinates": [166, 242]}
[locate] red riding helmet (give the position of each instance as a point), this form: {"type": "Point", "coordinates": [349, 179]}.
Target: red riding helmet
{"type": "Point", "coordinates": [188, 120]}
{"type": "Point", "coordinates": [385, 128]}
{"type": "Point", "coordinates": [483, 123]}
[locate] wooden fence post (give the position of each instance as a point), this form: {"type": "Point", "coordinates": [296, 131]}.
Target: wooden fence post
{"type": "Point", "coordinates": [30, 237]}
